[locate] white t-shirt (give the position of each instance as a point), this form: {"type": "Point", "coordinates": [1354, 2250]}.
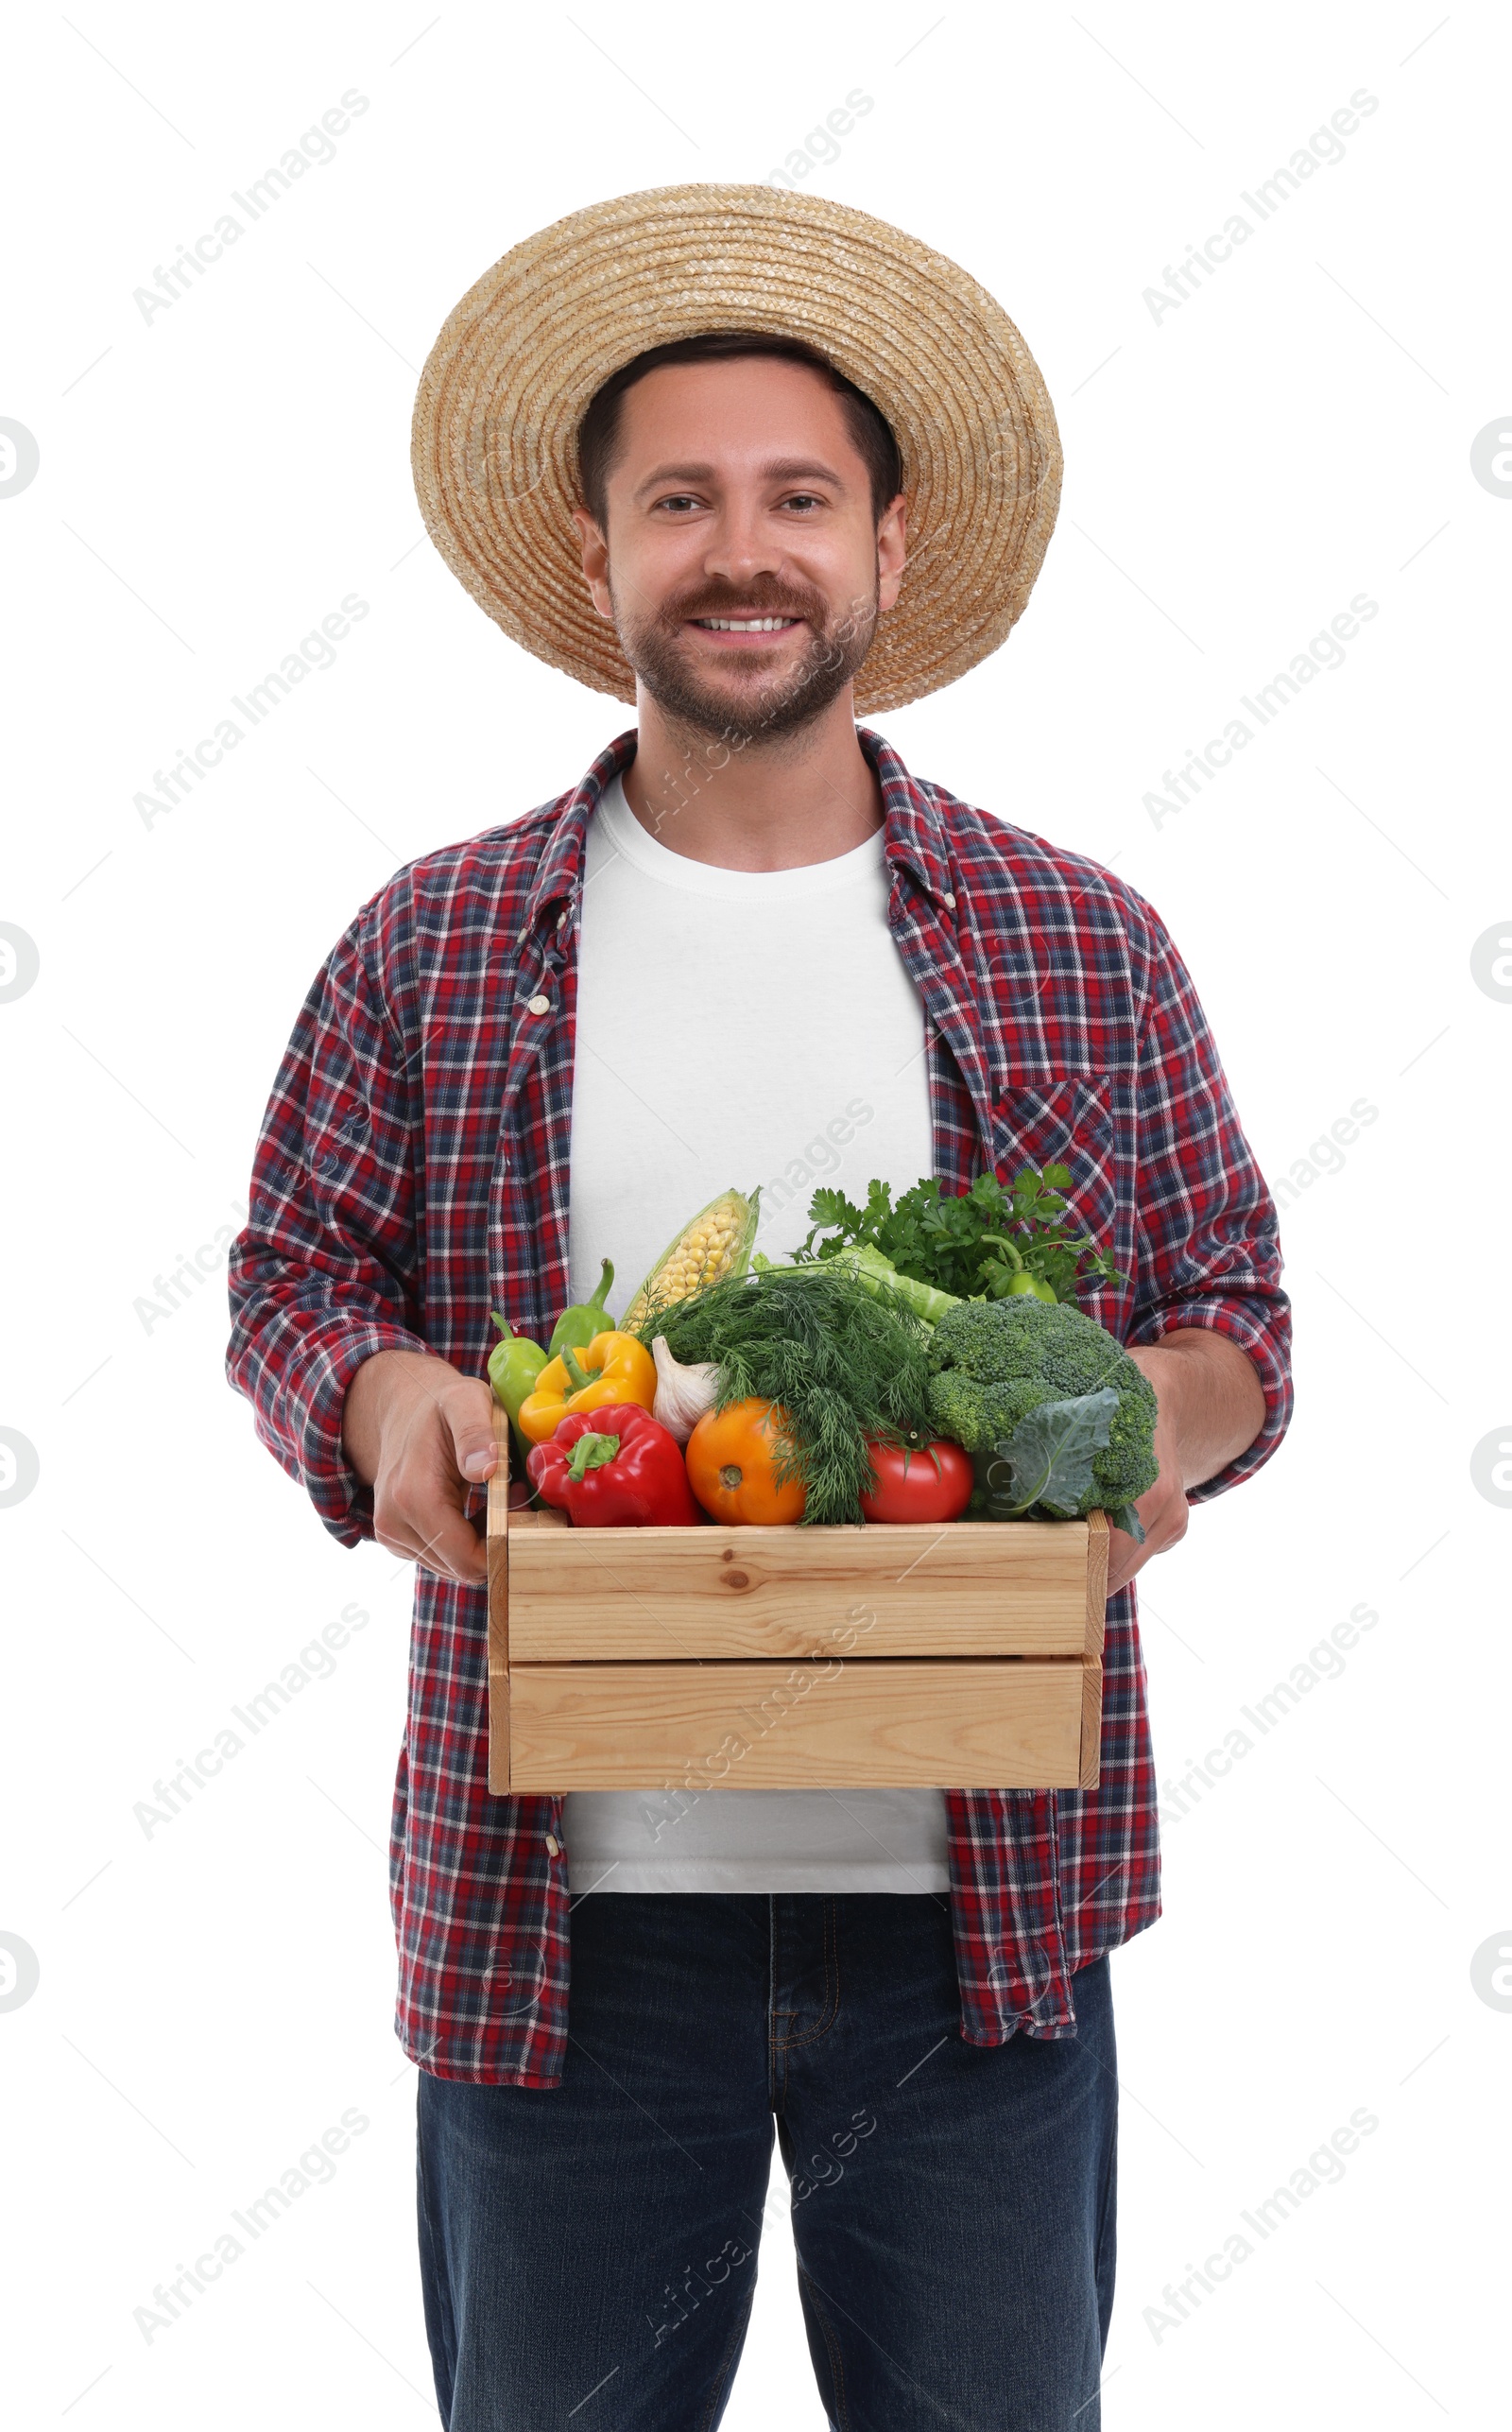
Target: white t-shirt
{"type": "Point", "coordinates": [736, 1028]}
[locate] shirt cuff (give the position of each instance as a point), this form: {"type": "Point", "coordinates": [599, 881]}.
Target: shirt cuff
{"type": "Point", "coordinates": [312, 1400]}
{"type": "Point", "coordinates": [1267, 1339]}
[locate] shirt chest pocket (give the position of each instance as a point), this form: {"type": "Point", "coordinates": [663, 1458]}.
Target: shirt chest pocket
{"type": "Point", "coordinates": [1063, 1119]}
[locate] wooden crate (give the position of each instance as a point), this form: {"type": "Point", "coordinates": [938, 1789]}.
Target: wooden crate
{"type": "Point", "coordinates": [967, 1655]}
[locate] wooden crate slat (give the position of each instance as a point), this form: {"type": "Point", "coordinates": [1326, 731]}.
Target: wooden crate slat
{"type": "Point", "coordinates": [931, 1724]}
{"type": "Point", "coordinates": [1091, 1712]}
{"type": "Point", "coordinates": [497, 1544]}
{"type": "Point", "coordinates": [664, 1595]}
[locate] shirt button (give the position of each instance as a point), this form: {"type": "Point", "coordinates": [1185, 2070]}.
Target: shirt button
{"type": "Point", "coordinates": [521, 939]}
{"type": "Point", "coordinates": [554, 1845]}
{"type": "Point", "coordinates": [538, 1005]}
{"type": "Point", "coordinates": [950, 900]}
{"type": "Point", "coordinates": [562, 920]}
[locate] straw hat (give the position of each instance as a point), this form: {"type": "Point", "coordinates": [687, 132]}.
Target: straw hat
{"type": "Point", "coordinates": [493, 443]}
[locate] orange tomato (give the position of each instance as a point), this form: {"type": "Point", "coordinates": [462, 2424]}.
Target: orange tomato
{"type": "Point", "coordinates": [732, 1454]}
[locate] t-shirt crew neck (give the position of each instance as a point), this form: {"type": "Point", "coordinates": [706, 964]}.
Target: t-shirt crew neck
{"type": "Point", "coordinates": [617, 826]}
{"type": "Point", "coordinates": [738, 1027]}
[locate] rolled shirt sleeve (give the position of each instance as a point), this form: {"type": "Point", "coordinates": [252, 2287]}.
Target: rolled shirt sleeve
{"type": "Point", "coordinates": [1209, 1251]}
{"type": "Point", "coordinates": [324, 1273]}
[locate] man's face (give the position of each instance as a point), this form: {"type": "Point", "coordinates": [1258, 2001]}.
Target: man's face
{"type": "Point", "coordinates": [743, 566]}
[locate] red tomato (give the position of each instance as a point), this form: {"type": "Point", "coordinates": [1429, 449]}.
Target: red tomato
{"type": "Point", "coordinates": [925, 1482]}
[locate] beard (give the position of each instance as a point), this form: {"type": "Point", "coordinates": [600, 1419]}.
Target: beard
{"type": "Point", "coordinates": [769, 701]}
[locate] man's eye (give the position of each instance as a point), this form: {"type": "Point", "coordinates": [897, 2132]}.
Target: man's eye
{"type": "Point", "coordinates": [680, 500]}
{"type": "Point", "coordinates": [804, 498]}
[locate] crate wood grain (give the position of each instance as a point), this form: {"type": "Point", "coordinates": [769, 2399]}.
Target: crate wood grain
{"type": "Point", "coordinates": [841, 1723]}
{"type": "Point", "coordinates": [655, 1595]}
{"type": "Point", "coordinates": [967, 1655]}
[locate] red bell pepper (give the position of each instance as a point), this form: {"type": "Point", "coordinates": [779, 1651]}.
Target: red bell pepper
{"type": "Point", "coordinates": [926, 1482]}
{"type": "Point", "coordinates": [614, 1468]}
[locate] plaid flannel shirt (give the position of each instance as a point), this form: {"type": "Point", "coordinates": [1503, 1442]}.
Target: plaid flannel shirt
{"type": "Point", "coordinates": [412, 1174]}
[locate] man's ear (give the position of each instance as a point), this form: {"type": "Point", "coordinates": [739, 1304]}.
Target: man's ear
{"type": "Point", "coordinates": [892, 551]}
{"type": "Point", "coordinates": [596, 560]}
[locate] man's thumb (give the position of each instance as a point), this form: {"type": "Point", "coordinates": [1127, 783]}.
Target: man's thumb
{"type": "Point", "coordinates": [472, 1424]}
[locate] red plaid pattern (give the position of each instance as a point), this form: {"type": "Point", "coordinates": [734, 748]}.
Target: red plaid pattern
{"type": "Point", "coordinates": [412, 1174]}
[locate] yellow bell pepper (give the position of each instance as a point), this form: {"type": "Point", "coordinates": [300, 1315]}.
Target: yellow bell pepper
{"type": "Point", "coordinates": [615, 1368]}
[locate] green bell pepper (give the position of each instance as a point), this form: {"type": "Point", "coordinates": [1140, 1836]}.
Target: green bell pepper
{"type": "Point", "coordinates": [576, 1328]}
{"type": "Point", "coordinates": [514, 1365]}
{"type": "Point", "coordinates": [1025, 1285]}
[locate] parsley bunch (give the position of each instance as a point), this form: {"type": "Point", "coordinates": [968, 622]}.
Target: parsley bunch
{"type": "Point", "coordinates": [971, 1243]}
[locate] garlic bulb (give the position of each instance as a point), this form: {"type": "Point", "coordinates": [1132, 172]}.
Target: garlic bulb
{"type": "Point", "coordinates": [683, 1394]}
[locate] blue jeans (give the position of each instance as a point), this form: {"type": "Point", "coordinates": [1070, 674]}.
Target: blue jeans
{"type": "Point", "coordinates": [588, 2252]}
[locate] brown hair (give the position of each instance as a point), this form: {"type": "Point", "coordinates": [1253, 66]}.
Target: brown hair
{"type": "Point", "coordinates": [599, 431]}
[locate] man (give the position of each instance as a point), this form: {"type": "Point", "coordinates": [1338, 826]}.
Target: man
{"type": "Point", "coordinates": [764, 460]}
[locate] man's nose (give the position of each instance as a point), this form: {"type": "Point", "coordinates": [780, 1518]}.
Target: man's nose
{"type": "Point", "coordinates": [741, 543]}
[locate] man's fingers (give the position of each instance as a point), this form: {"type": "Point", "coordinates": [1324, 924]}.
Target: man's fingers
{"type": "Point", "coordinates": [395, 1540]}
{"type": "Point", "coordinates": [453, 1550]}
{"type": "Point", "coordinates": [1121, 1567]}
{"type": "Point", "coordinates": [424, 1437]}
{"type": "Point", "coordinates": [424, 1520]}
{"type": "Point", "coordinates": [468, 1414]}
{"type": "Point", "coordinates": [1164, 1511]}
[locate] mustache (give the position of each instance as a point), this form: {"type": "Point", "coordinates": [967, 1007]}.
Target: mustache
{"type": "Point", "coordinates": [765, 597]}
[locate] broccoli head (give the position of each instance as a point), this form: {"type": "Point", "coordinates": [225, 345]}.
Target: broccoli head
{"type": "Point", "coordinates": [992, 1361]}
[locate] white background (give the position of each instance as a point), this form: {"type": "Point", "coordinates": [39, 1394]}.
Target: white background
{"type": "Point", "coordinates": [215, 1994]}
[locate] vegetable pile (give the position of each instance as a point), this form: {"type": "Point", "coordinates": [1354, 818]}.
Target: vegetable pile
{"type": "Point", "coordinates": [844, 1368]}
{"type": "Point", "coordinates": [910, 1363]}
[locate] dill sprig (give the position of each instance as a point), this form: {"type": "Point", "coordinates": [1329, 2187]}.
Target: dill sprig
{"type": "Point", "coordinates": [845, 1363]}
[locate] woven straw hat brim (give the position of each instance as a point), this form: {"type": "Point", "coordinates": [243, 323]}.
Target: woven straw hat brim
{"type": "Point", "coordinates": [505, 385]}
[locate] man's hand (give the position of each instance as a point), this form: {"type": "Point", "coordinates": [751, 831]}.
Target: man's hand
{"type": "Point", "coordinates": [1210, 1407]}
{"type": "Point", "coordinates": [421, 1436]}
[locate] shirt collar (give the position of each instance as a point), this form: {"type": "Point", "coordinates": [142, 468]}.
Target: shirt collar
{"type": "Point", "coordinates": [914, 833]}
{"type": "Point", "coordinates": [914, 837]}
{"type": "Point", "coordinates": [558, 872]}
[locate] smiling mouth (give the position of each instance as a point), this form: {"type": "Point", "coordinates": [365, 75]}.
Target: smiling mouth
{"type": "Point", "coordinates": [744, 624]}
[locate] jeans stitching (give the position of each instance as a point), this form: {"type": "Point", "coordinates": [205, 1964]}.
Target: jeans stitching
{"type": "Point", "coordinates": [1105, 2208]}
{"type": "Point", "coordinates": [833, 2348]}
{"type": "Point", "coordinates": [832, 1985]}
{"type": "Point", "coordinates": [722, 2369]}
{"type": "Point", "coordinates": [440, 2273]}
{"type": "Point", "coordinates": [1103, 2202]}
{"type": "Point", "coordinates": [776, 2072]}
